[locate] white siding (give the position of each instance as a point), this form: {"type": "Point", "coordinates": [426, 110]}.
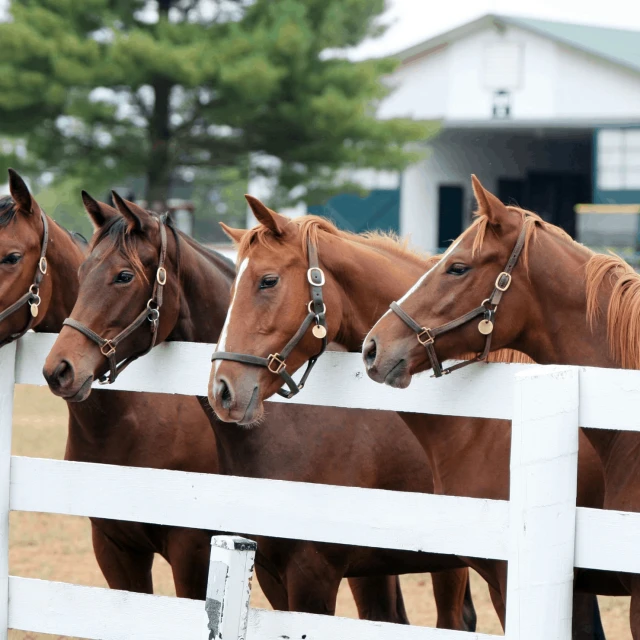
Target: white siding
{"type": "Point", "coordinates": [420, 88]}
{"type": "Point", "coordinates": [556, 82]}
{"type": "Point", "coordinates": [592, 88]}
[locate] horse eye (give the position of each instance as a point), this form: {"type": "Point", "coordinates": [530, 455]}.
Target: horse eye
{"type": "Point", "coordinates": [269, 282]}
{"type": "Point", "coordinates": [123, 277]}
{"type": "Point", "coordinates": [12, 258]}
{"type": "Point", "coordinates": [458, 269]}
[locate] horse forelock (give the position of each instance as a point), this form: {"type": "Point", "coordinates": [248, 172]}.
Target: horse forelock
{"type": "Point", "coordinates": [8, 210]}
{"type": "Point", "coordinates": [116, 236]}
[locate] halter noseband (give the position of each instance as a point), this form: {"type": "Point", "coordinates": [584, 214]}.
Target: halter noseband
{"type": "Point", "coordinates": [151, 313]}
{"type": "Point", "coordinates": [32, 297]}
{"type": "Point", "coordinates": [426, 337]}
{"type": "Point", "coordinates": [276, 362]}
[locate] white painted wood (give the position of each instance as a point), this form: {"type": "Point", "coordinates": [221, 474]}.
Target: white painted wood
{"type": "Point", "coordinates": [102, 614]}
{"type": "Point", "coordinates": [374, 518]}
{"type": "Point", "coordinates": [544, 467]}
{"type": "Point", "coordinates": [607, 540]}
{"type": "Point", "coordinates": [608, 397]}
{"type": "Point", "coordinates": [229, 587]}
{"type": "Point", "coordinates": [279, 625]}
{"type": "Point", "coordinates": [7, 369]}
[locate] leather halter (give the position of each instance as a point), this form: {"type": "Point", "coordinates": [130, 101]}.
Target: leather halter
{"type": "Point", "coordinates": [276, 362]}
{"type": "Point", "coordinates": [150, 313]}
{"type": "Point", "coordinates": [488, 308]}
{"type": "Point", "coordinates": [32, 297]}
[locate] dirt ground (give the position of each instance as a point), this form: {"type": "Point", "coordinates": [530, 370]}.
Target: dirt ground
{"type": "Point", "coordinates": [59, 547]}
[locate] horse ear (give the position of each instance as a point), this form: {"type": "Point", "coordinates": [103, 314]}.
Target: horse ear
{"type": "Point", "coordinates": [98, 212]}
{"type": "Point", "coordinates": [20, 192]}
{"type": "Point", "coordinates": [488, 204]}
{"type": "Point", "coordinates": [137, 217]}
{"type": "Point", "coordinates": [235, 234]}
{"type": "Point", "coordinates": [270, 219]}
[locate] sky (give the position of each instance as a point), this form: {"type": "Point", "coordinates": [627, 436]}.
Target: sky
{"type": "Point", "coordinates": [414, 21]}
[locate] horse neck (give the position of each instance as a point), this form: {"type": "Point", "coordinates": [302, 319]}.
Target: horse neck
{"type": "Point", "coordinates": [368, 280]}
{"type": "Point", "coordinates": [205, 284]}
{"type": "Point", "coordinates": [64, 257]}
{"type": "Point", "coordinates": [558, 331]}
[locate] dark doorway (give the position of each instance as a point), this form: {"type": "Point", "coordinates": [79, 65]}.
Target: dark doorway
{"type": "Point", "coordinates": [450, 205]}
{"type": "Point", "coordinates": [554, 195]}
{"type": "Point", "coordinates": [511, 191]}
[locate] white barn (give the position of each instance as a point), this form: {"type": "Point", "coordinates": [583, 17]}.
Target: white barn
{"type": "Point", "coordinates": [543, 112]}
{"type": "Point", "coordinates": [547, 115]}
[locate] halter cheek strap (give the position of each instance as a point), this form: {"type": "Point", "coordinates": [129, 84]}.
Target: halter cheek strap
{"type": "Point", "coordinates": [151, 313]}
{"type": "Point", "coordinates": [32, 296]}
{"type": "Point", "coordinates": [426, 337]}
{"type": "Point", "coordinates": [276, 362]}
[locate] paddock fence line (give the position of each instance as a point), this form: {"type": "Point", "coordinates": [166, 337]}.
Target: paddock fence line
{"type": "Point", "coordinates": [540, 532]}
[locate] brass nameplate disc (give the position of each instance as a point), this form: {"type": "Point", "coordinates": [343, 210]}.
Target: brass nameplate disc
{"type": "Point", "coordinates": [485, 327]}
{"type": "Point", "coordinates": [319, 331]}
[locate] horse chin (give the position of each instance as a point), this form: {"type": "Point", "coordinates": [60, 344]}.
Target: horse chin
{"type": "Point", "coordinates": [399, 376]}
{"type": "Point", "coordinates": [82, 393]}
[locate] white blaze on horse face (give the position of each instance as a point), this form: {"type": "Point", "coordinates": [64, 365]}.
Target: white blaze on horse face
{"type": "Point", "coordinates": [223, 334]}
{"type": "Point", "coordinates": [417, 285]}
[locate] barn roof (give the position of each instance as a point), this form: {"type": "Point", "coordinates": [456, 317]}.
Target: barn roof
{"type": "Point", "coordinates": [620, 46]}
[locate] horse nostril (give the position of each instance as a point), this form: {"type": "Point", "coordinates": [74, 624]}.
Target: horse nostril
{"type": "Point", "coordinates": [370, 353]}
{"type": "Point", "coordinates": [64, 373]}
{"type": "Point", "coordinates": [224, 394]}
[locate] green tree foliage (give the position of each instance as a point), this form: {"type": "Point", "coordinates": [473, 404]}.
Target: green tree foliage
{"type": "Point", "coordinates": [101, 90]}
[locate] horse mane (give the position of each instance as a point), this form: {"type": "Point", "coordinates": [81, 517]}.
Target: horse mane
{"type": "Point", "coordinates": [623, 312]}
{"type": "Point", "coordinates": [310, 227]}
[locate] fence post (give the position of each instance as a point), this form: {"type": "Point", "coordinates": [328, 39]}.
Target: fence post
{"type": "Point", "coordinates": [7, 381]}
{"type": "Point", "coordinates": [544, 467]}
{"type": "Point", "coordinates": [229, 587]}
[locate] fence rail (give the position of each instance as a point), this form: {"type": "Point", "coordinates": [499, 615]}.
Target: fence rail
{"type": "Point", "coordinates": [540, 532]}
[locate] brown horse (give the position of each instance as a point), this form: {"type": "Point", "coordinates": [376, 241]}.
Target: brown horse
{"type": "Point", "coordinates": [366, 449]}
{"type": "Point", "coordinates": [565, 305]}
{"type": "Point", "coordinates": [112, 427]}
{"type": "Point", "coordinates": [363, 274]}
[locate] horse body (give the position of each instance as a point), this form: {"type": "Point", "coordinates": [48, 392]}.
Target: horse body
{"type": "Point", "coordinates": [365, 449]}
{"type": "Point", "coordinates": [468, 457]}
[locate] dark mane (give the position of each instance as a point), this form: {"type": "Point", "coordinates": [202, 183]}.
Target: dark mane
{"type": "Point", "coordinates": [8, 210]}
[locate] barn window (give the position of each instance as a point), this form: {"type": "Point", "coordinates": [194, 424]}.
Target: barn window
{"type": "Point", "coordinates": [618, 159]}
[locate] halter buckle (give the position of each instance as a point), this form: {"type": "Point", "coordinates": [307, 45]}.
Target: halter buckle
{"type": "Point", "coordinates": [161, 276]}
{"type": "Point", "coordinates": [505, 286]}
{"type": "Point", "coordinates": [310, 277]}
{"type": "Point", "coordinates": [425, 337]}
{"type": "Point", "coordinates": [110, 349]}
{"type": "Point", "coordinates": [275, 358]}
{"type": "Point", "coordinates": [42, 265]}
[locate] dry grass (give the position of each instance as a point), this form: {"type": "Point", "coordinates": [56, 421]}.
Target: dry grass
{"type": "Point", "coordinates": [59, 547]}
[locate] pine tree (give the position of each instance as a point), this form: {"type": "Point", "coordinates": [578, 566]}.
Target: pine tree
{"type": "Point", "coordinates": [114, 88]}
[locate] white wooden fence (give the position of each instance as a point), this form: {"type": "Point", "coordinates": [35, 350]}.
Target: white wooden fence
{"type": "Point", "coordinates": [540, 531]}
